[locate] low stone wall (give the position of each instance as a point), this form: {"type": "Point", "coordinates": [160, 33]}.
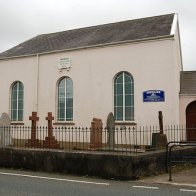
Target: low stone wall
{"type": "Point", "coordinates": [104, 165]}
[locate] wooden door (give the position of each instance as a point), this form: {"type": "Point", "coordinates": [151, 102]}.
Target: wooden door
{"type": "Point", "coordinates": [191, 121]}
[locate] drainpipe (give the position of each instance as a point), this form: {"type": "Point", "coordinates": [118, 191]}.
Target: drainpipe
{"type": "Point", "coordinates": [37, 85]}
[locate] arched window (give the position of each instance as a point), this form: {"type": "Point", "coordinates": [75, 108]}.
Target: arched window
{"type": "Point", "coordinates": [124, 97]}
{"type": "Point", "coordinates": [17, 98]}
{"type": "Point", "coordinates": [65, 100]}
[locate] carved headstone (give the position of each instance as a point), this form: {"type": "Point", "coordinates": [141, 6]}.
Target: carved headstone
{"type": "Point", "coordinates": [110, 130]}
{"type": "Point", "coordinates": [33, 142]}
{"type": "Point", "coordinates": [50, 141]}
{"type": "Point", "coordinates": [96, 133]}
{"type": "Point", "coordinates": [5, 130]}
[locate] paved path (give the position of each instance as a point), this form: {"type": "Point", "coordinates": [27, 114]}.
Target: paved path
{"type": "Point", "coordinates": [183, 178]}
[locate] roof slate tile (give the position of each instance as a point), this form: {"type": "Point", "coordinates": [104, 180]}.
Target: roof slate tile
{"type": "Point", "coordinates": [130, 30]}
{"type": "Point", "coordinates": [188, 83]}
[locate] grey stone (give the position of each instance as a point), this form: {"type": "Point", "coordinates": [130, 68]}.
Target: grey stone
{"type": "Point", "coordinates": [110, 130]}
{"type": "Point", "coordinates": [159, 141]}
{"type": "Point", "coordinates": [5, 130]}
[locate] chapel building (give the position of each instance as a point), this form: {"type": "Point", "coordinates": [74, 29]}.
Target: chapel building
{"type": "Point", "coordinates": [131, 68]}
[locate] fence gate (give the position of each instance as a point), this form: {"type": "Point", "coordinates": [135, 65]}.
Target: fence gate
{"type": "Point", "coordinates": [191, 121]}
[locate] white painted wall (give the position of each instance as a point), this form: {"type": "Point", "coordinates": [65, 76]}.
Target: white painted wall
{"type": "Point", "coordinates": [152, 64]}
{"type": "Point", "coordinates": [23, 70]}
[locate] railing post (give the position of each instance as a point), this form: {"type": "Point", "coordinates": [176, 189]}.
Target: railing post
{"type": "Point", "coordinates": [169, 161]}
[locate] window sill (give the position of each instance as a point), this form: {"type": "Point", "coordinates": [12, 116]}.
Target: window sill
{"type": "Point", "coordinates": [126, 123]}
{"type": "Point", "coordinates": [17, 123]}
{"type": "Point", "coordinates": [64, 123]}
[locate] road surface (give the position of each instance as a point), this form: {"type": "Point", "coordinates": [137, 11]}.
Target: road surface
{"type": "Point", "coordinates": [15, 182]}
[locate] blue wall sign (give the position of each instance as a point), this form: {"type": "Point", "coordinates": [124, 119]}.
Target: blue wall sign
{"type": "Point", "coordinates": [153, 96]}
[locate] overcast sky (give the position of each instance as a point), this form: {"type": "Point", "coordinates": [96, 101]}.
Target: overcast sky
{"type": "Point", "coordinates": [21, 20]}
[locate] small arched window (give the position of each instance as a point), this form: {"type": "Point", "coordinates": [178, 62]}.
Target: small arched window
{"type": "Point", "coordinates": [17, 99]}
{"type": "Point", "coordinates": [124, 97]}
{"type": "Point", "coordinates": [65, 100]}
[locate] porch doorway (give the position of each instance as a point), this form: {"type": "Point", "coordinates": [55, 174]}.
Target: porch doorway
{"type": "Point", "coordinates": [191, 121]}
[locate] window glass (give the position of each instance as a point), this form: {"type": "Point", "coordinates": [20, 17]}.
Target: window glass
{"type": "Point", "coordinates": [17, 100]}
{"type": "Point", "coordinates": [124, 97]}
{"type": "Point", "coordinates": [65, 100]}
{"type": "Point", "coordinates": [119, 100]}
{"type": "Point", "coordinates": [119, 113]}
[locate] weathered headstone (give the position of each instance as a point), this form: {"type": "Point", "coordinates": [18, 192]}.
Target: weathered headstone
{"type": "Point", "coordinates": [159, 140]}
{"type": "Point", "coordinates": [96, 133]}
{"type": "Point", "coordinates": [110, 130]}
{"type": "Point", "coordinates": [5, 130]}
{"type": "Point", "coordinates": [50, 141]}
{"type": "Point", "coordinates": [33, 142]}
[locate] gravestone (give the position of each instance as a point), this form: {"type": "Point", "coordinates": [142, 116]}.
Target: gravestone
{"type": "Point", "coordinates": [159, 140]}
{"type": "Point", "coordinates": [110, 130]}
{"type": "Point", "coordinates": [96, 133]}
{"type": "Point", "coordinates": [33, 142]}
{"type": "Point", "coordinates": [50, 141]}
{"type": "Point", "coordinates": [5, 130]}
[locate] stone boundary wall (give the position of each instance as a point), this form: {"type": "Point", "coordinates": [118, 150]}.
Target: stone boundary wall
{"type": "Point", "coordinates": [105, 165]}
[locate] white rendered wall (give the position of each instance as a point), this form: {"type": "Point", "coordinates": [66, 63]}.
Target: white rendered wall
{"type": "Point", "coordinates": [23, 70]}
{"type": "Point", "coordinates": [152, 65]}
{"type": "Point", "coordinates": [93, 71]}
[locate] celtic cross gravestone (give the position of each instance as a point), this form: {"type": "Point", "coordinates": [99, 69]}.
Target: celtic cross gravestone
{"type": "Point", "coordinates": [33, 142]}
{"type": "Point", "coordinates": [50, 141]}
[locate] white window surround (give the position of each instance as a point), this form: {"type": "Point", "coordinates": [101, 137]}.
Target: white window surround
{"type": "Point", "coordinates": [17, 101]}
{"type": "Point", "coordinates": [123, 97]}
{"type": "Point", "coordinates": [65, 100]}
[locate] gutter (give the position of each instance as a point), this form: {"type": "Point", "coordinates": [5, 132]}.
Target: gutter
{"type": "Point", "coordinates": [143, 40]}
{"type": "Point", "coordinates": [187, 95]}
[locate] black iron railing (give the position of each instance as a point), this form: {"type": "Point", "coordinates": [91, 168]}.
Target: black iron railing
{"type": "Point", "coordinates": [134, 139]}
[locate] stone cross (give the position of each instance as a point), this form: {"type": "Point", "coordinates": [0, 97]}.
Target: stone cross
{"type": "Point", "coordinates": [34, 120]}
{"type": "Point", "coordinates": [161, 122]}
{"type": "Point", "coordinates": [110, 125]}
{"type": "Point", "coordinates": [50, 141]}
{"type": "Point", "coordinates": [50, 118]}
{"type": "Point", "coordinates": [5, 130]}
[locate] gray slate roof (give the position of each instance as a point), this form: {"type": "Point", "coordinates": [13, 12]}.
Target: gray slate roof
{"type": "Point", "coordinates": [145, 28]}
{"type": "Point", "coordinates": [188, 82]}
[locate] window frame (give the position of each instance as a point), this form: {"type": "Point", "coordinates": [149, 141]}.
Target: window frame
{"type": "Point", "coordinates": [124, 102]}
{"type": "Point", "coordinates": [19, 98]}
{"type": "Point", "coordinates": [59, 118]}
